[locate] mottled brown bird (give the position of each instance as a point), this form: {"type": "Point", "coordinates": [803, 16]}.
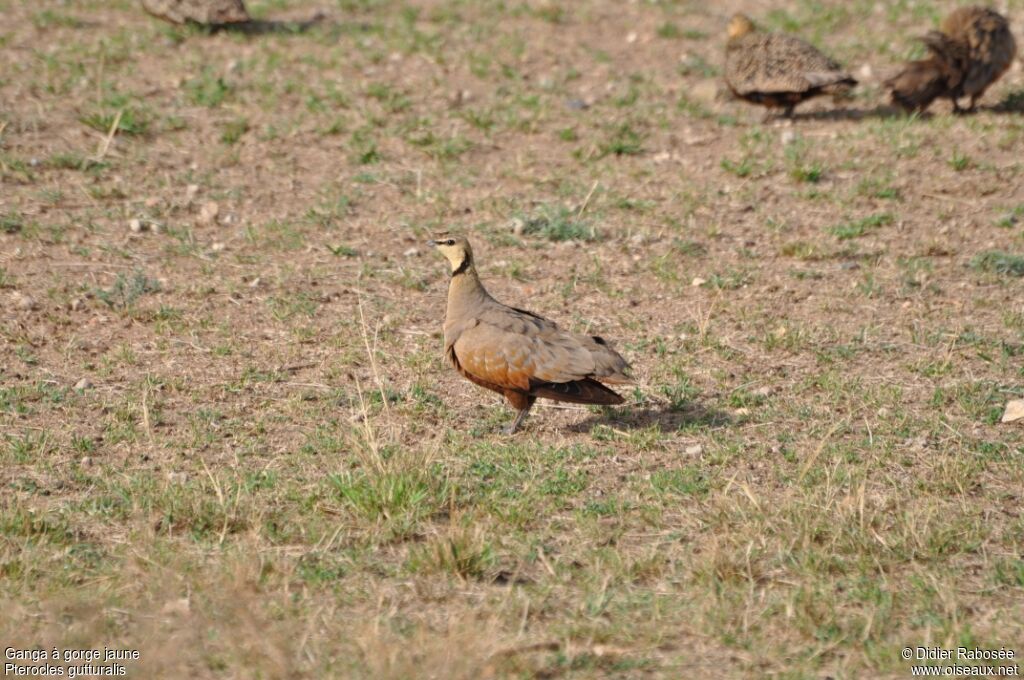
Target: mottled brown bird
{"type": "Point", "coordinates": [205, 12]}
{"type": "Point", "coordinates": [973, 49]}
{"type": "Point", "coordinates": [517, 353]}
{"type": "Point", "coordinates": [776, 70]}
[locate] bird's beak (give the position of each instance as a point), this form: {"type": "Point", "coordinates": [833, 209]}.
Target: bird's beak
{"type": "Point", "coordinates": [432, 243]}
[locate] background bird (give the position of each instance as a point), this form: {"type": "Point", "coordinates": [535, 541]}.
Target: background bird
{"type": "Point", "coordinates": [777, 70]}
{"type": "Point", "coordinates": [205, 12]}
{"type": "Point", "coordinates": [517, 353]}
{"type": "Point", "coordinates": [973, 48]}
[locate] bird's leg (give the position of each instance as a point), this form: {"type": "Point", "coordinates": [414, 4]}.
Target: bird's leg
{"type": "Point", "coordinates": [523, 402]}
{"type": "Point", "coordinates": [974, 101]}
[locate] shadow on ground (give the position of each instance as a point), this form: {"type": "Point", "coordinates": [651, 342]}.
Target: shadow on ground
{"type": "Point", "coordinates": [269, 27]}
{"type": "Point", "coordinates": [693, 416]}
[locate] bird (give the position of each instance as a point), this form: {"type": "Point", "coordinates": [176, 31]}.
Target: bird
{"type": "Point", "coordinates": [517, 353]}
{"type": "Point", "coordinates": [204, 12]}
{"type": "Point", "coordinates": [777, 70]}
{"type": "Point", "coordinates": [972, 49]}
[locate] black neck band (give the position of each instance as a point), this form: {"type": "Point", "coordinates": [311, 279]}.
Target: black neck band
{"type": "Point", "coordinates": [461, 269]}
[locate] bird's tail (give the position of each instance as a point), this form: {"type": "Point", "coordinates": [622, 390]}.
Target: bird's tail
{"type": "Point", "coordinates": [586, 391]}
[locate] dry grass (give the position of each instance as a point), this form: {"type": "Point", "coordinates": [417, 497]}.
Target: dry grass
{"type": "Point", "coordinates": [269, 471]}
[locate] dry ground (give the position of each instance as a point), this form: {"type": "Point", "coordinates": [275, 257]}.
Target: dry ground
{"type": "Point", "coordinates": [229, 439]}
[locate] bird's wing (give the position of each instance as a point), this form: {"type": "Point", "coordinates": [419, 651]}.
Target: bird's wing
{"type": "Point", "coordinates": [776, 63]}
{"type": "Point", "coordinates": [511, 348]}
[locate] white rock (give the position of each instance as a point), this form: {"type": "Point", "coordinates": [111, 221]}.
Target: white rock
{"type": "Point", "coordinates": [694, 450]}
{"type": "Point", "coordinates": [136, 226]}
{"type": "Point", "coordinates": [177, 477]}
{"type": "Point", "coordinates": [23, 301]}
{"type": "Point", "coordinates": [865, 72]}
{"type": "Point", "coordinates": [698, 281]}
{"type": "Point", "coordinates": [208, 213]}
{"type": "Point", "coordinates": [190, 192]}
{"type": "Point", "coordinates": [787, 137]}
{"type": "Point", "coordinates": [83, 384]}
{"type": "Point", "coordinates": [1014, 411]}
{"type": "Point", "coordinates": [85, 462]}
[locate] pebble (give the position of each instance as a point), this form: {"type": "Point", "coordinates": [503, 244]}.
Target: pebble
{"type": "Point", "coordinates": [208, 213]}
{"type": "Point", "coordinates": [190, 192]}
{"type": "Point", "coordinates": [1014, 411]}
{"type": "Point", "coordinates": [698, 281]}
{"type": "Point", "coordinates": [23, 301]}
{"type": "Point", "coordinates": [412, 252]}
{"type": "Point", "coordinates": [694, 450]}
{"type": "Point", "coordinates": [83, 384]}
{"type": "Point", "coordinates": [177, 477]}
{"type": "Point", "coordinates": [136, 226]}
{"type": "Point", "coordinates": [85, 462]}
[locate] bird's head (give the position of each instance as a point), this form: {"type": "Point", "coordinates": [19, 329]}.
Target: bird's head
{"type": "Point", "coordinates": [456, 250]}
{"type": "Point", "coordinates": [740, 25]}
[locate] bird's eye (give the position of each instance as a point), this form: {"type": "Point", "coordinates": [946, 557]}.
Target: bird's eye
{"type": "Point", "coordinates": [450, 242]}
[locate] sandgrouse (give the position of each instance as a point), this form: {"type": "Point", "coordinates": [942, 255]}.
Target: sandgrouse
{"type": "Point", "coordinates": [973, 49]}
{"type": "Point", "coordinates": [517, 353]}
{"type": "Point", "coordinates": [776, 70]}
{"type": "Point", "coordinates": [205, 12]}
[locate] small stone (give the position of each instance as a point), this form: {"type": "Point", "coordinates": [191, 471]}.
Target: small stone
{"type": "Point", "coordinates": [217, 247]}
{"type": "Point", "coordinates": [765, 391]}
{"type": "Point", "coordinates": [177, 477]}
{"type": "Point", "coordinates": [865, 72]}
{"type": "Point", "coordinates": [76, 304]}
{"type": "Point", "coordinates": [152, 202]}
{"type": "Point", "coordinates": [1014, 411]}
{"type": "Point", "coordinates": [190, 192]}
{"type": "Point", "coordinates": [83, 384]}
{"type": "Point", "coordinates": [698, 281]}
{"type": "Point", "coordinates": [85, 462]}
{"type": "Point", "coordinates": [742, 411]}
{"type": "Point", "coordinates": [208, 213]}
{"type": "Point", "coordinates": [23, 301]}
{"type": "Point", "coordinates": [577, 104]}
{"type": "Point", "coordinates": [631, 37]}
{"type": "Point", "coordinates": [787, 137]}
{"type": "Point", "coordinates": [517, 225]}
{"type": "Point", "coordinates": [694, 450]}
{"type": "Point", "coordinates": [136, 226]}
{"type": "Point", "coordinates": [179, 607]}
{"type": "Point", "coordinates": [412, 252]}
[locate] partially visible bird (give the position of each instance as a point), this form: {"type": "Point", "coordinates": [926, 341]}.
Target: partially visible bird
{"type": "Point", "coordinates": [205, 12]}
{"type": "Point", "coordinates": [517, 353]}
{"type": "Point", "coordinates": [777, 70]}
{"type": "Point", "coordinates": [973, 49]}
